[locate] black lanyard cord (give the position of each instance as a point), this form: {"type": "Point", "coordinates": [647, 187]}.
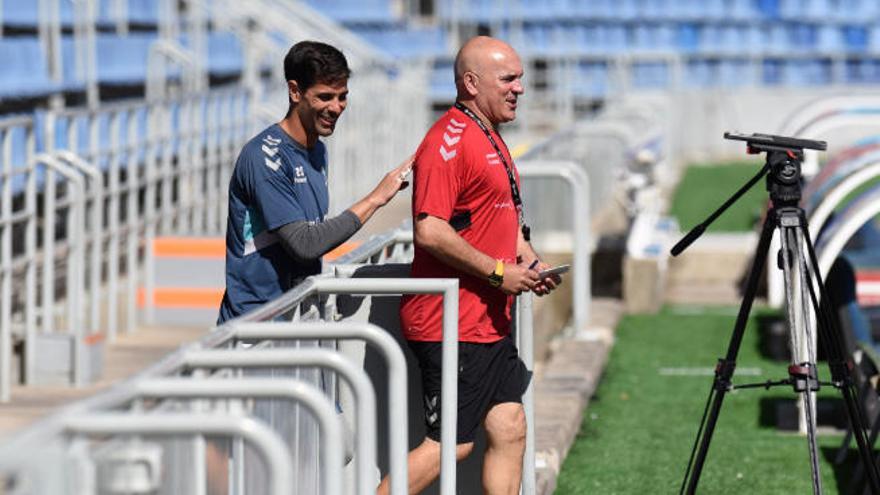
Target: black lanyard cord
{"type": "Point", "coordinates": [514, 189]}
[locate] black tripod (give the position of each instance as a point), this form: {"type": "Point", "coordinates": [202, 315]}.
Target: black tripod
{"type": "Point", "coordinates": [782, 169]}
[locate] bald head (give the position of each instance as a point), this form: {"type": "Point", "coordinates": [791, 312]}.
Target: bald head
{"type": "Point", "coordinates": [488, 75]}
{"type": "Point", "coordinates": [479, 53]}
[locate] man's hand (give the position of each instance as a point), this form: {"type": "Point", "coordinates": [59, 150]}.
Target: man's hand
{"type": "Point", "coordinates": [394, 181]}
{"type": "Point", "coordinates": [517, 279]}
{"type": "Point", "coordinates": [547, 285]}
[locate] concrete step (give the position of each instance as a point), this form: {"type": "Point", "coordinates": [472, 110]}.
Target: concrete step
{"type": "Point", "coordinates": [130, 354]}
{"type": "Point", "coordinates": [712, 269]}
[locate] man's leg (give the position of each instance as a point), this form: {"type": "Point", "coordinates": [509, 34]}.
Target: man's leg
{"type": "Point", "coordinates": [506, 434]}
{"type": "Point", "coordinates": [424, 465]}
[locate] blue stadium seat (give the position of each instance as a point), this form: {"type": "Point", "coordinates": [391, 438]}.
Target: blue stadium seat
{"type": "Point", "coordinates": [20, 13]}
{"type": "Point", "coordinates": [650, 75]}
{"type": "Point", "coordinates": [587, 39]}
{"type": "Point", "coordinates": [138, 12]}
{"type": "Point", "coordinates": [700, 73]}
{"type": "Point", "coordinates": [735, 73]}
{"type": "Point", "coordinates": [25, 69]}
{"type": "Point", "coordinates": [772, 71]}
{"type": "Point", "coordinates": [775, 39]}
{"type": "Point", "coordinates": [592, 80]}
{"type": "Point", "coordinates": [123, 59]}
{"type": "Point", "coordinates": [741, 10]}
{"type": "Point", "coordinates": [225, 56]}
{"type": "Point", "coordinates": [830, 39]}
{"type": "Point", "coordinates": [802, 37]}
{"type": "Point", "coordinates": [614, 38]}
{"type": "Point", "coordinates": [652, 37]}
{"type": "Point", "coordinates": [405, 42]}
{"type": "Point", "coordinates": [855, 39]}
{"type": "Point", "coordinates": [442, 82]}
{"type": "Point", "coordinates": [356, 11]}
{"type": "Point", "coordinates": [688, 37]}
{"type": "Point", "coordinates": [768, 9]}
{"type": "Point", "coordinates": [24, 14]}
{"type": "Point", "coordinates": [537, 38]}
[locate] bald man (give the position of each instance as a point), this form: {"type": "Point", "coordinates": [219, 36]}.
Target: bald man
{"type": "Point", "coordinates": [468, 225]}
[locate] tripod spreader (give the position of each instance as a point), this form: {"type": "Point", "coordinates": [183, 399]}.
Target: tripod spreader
{"type": "Point", "coordinates": [803, 377]}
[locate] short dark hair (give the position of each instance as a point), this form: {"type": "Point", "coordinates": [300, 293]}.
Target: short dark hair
{"type": "Point", "coordinates": [311, 62]}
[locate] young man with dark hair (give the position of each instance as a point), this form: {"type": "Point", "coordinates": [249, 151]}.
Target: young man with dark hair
{"type": "Point", "coordinates": [467, 222]}
{"type": "Point", "coordinates": [278, 198]}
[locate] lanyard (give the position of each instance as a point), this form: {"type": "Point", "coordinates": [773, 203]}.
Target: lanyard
{"type": "Point", "coordinates": [514, 190]}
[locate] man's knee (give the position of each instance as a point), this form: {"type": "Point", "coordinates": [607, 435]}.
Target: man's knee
{"type": "Point", "coordinates": [506, 423]}
{"type": "Point", "coordinates": [463, 450]}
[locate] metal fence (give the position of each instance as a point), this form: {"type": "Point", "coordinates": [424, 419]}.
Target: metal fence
{"type": "Point", "coordinates": [83, 194]}
{"type": "Point", "coordinates": [161, 428]}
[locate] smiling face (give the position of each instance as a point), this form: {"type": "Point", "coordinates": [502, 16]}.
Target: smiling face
{"type": "Point", "coordinates": [489, 78]}
{"type": "Point", "coordinates": [499, 86]}
{"type": "Point", "coordinates": [319, 107]}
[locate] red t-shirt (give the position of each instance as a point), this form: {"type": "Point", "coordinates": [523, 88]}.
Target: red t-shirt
{"type": "Point", "coordinates": [457, 170]}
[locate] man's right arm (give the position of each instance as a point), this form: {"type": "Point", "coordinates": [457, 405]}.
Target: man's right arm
{"type": "Point", "coordinates": [438, 238]}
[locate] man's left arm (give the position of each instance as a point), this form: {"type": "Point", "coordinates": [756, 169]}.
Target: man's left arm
{"type": "Point", "coordinates": [526, 255]}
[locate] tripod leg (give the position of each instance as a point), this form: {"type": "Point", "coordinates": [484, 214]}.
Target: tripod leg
{"type": "Point", "coordinates": [841, 369]}
{"type": "Point", "coordinates": [803, 352]}
{"type": "Point", "coordinates": [724, 369]}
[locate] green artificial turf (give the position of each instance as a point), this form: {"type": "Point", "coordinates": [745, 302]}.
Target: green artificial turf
{"type": "Point", "coordinates": [638, 430]}
{"type": "Point", "coordinates": [705, 187]}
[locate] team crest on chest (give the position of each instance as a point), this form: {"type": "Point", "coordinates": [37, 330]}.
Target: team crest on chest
{"type": "Point", "coordinates": [299, 175]}
{"type": "Point", "coordinates": [492, 159]}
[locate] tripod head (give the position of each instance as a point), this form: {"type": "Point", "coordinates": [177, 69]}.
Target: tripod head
{"type": "Point", "coordinates": [783, 163]}
{"type": "Point", "coordinates": [782, 168]}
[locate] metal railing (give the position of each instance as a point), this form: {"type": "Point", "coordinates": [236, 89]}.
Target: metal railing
{"type": "Point", "coordinates": [579, 183]}
{"type": "Point", "coordinates": [107, 182]}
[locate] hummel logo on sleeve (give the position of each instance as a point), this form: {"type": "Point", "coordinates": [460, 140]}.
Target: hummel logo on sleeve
{"type": "Point", "coordinates": [274, 165]}
{"type": "Point", "coordinates": [450, 141]}
{"type": "Point", "coordinates": [447, 155]}
{"type": "Point", "coordinates": [271, 141]}
{"type": "Point", "coordinates": [492, 159]}
{"type": "Point", "coordinates": [269, 151]}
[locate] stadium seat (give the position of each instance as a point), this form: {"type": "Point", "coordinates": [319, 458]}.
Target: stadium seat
{"type": "Point", "coordinates": [829, 39]}
{"type": "Point", "coordinates": [404, 42]}
{"type": "Point", "coordinates": [688, 37]}
{"type": "Point", "coordinates": [24, 14]}
{"type": "Point", "coordinates": [650, 75]}
{"type": "Point", "coordinates": [355, 11]}
{"type": "Point", "coordinates": [591, 80]}
{"type": "Point", "coordinates": [123, 59]}
{"type": "Point", "coordinates": [225, 56]}
{"type": "Point", "coordinates": [25, 69]}
{"type": "Point", "coordinates": [855, 39]}
{"type": "Point", "coordinates": [735, 73]}
{"type": "Point", "coordinates": [768, 9]}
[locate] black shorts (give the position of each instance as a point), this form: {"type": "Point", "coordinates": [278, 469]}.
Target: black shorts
{"type": "Point", "coordinates": [488, 374]}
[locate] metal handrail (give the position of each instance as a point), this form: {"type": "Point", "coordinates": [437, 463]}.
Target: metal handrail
{"type": "Point", "coordinates": [364, 286]}
{"type": "Point", "coordinates": [377, 244]}
{"type": "Point", "coordinates": [390, 350]}
{"type": "Point", "coordinates": [275, 454]}
{"type": "Point", "coordinates": [307, 395]}
{"type": "Point", "coordinates": [580, 197]}
{"type": "Point", "coordinates": [97, 179]}
{"type": "Point", "coordinates": [356, 378]}
{"type": "Point", "coordinates": [75, 276]}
